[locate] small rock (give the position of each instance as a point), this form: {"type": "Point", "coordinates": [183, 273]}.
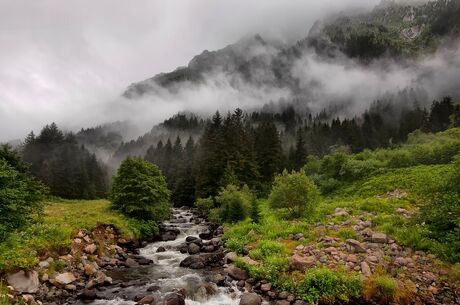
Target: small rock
{"type": "Point", "coordinates": [282, 302]}
{"type": "Point", "coordinates": [131, 263]}
{"type": "Point", "coordinates": [379, 238]}
{"type": "Point", "coordinates": [65, 278]}
{"type": "Point", "coordinates": [88, 295]}
{"type": "Point", "coordinates": [230, 257]}
{"type": "Point", "coordinates": [144, 261]}
{"type": "Point", "coordinates": [340, 212]}
{"type": "Point", "coordinates": [161, 249]}
{"type": "Point", "coordinates": [43, 264]}
{"type": "Point", "coordinates": [70, 287]}
{"type": "Point", "coordinates": [355, 246]}
{"type": "Point", "coordinates": [91, 248]}
{"type": "Point", "coordinates": [250, 299]}
{"type": "Point", "coordinates": [283, 295]}
{"type": "Point", "coordinates": [352, 258]}
{"type": "Point", "coordinates": [401, 261]}
{"type": "Point", "coordinates": [301, 263]}
{"type": "Point", "coordinates": [266, 287]}
{"type": "Point", "coordinates": [24, 282]}
{"type": "Point", "coordinates": [90, 269]}
{"type": "Point", "coordinates": [236, 273]}
{"type": "Point", "coordinates": [365, 269]}
{"type": "Point", "coordinates": [28, 298]}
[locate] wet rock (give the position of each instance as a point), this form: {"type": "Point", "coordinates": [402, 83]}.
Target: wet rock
{"type": "Point", "coordinates": [206, 234]}
{"type": "Point", "coordinates": [144, 261]}
{"type": "Point", "coordinates": [206, 290]}
{"type": "Point", "coordinates": [193, 248]}
{"type": "Point", "coordinates": [65, 278]}
{"type": "Point", "coordinates": [149, 299]}
{"type": "Point", "coordinates": [194, 239]}
{"type": "Point", "coordinates": [301, 263]}
{"type": "Point", "coordinates": [24, 282]}
{"type": "Point", "coordinates": [161, 249]}
{"type": "Point", "coordinates": [212, 259]}
{"type": "Point", "coordinates": [167, 236]}
{"type": "Point", "coordinates": [131, 263]}
{"type": "Point", "coordinates": [209, 248]}
{"type": "Point", "coordinates": [153, 288]}
{"type": "Point", "coordinates": [219, 231]}
{"type": "Point", "coordinates": [183, 248]}
{"type": "Point", "coordinates": [174, 299]}
{"type": "Point", "coordinates": [193, 262]}
{"type": "Point", "coordinates": [250, 299]}
{"type": "Point", "coordinates": [379, 238]}
{"type": "Point", "coordinates": [219, 279]}
{"type": "Point", "coordinates": [236, 273]}
{"type": "Point", "coordinates": [87, 295]}
{"type": "Point", "coordinates": [355, 246]}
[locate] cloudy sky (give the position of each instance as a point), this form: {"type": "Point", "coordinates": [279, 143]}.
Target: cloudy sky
{"type": "Point", "coordinates": [64, 61]}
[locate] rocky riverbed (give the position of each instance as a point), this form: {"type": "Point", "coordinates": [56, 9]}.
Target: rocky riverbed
{"type": "Point", "coordinates": [186, 264]}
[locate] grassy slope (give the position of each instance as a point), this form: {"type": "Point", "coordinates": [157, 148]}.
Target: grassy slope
{"type": "Point", "coordinates": [61, 219]}
{"type": "Point", "coordinates": [269, 241]}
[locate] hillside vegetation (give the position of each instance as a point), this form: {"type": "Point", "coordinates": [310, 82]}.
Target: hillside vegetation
{"type": "Point", "coordinates": [52, 234]}
{"type": "Point", "coordinates": [361, 239]}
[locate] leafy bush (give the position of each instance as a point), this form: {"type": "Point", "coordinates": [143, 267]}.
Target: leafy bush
{"type": "Point", "coordinates": [140, 191]}
{"type": "Point", "coordinates": [294, 192]}
{"type": "Point", "coordinates": [21, 198]}
{"type": "Point", "coordinates": [381, 288]}
{"type": "Point", "coordinates": [322, 285]}
{"type": "Point", "coordinates": [234, 203]}
{"type": "Point", "coordinates": [204, 205]}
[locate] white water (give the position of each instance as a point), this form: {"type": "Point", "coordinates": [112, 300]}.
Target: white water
{"type": "Point", "coordinates": [168, 275]}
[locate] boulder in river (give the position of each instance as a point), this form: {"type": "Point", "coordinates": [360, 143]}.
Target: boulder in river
{"type": "Point", "coordinates": [193, 262]}
{"type": "Point", "coordinates": [193, 248]}
{"type": "Point", "coordinates": [161, 249]}
{"type": "Point", "coordinates": [168, 235]}
{"type": "Point", "coordinates": [207, 234]}
{"type": "Point", "coordinates": [24, 282]}
{"type": "Point", "coordinates": [174, 299]}
{"type": "Point", "coordinates": [250, 299]}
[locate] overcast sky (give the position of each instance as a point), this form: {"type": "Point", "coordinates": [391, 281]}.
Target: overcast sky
{"type": "Point", "coordinates": [64, 60]}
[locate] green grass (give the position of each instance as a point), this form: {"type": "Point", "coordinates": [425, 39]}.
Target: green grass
{"type": "Point", "coordinates": [53, 233]}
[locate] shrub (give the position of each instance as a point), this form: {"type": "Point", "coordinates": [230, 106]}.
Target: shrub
{"type": "Point", "coordinates": [21, 198]}
{"type": "Point", "coordinates": [140, 191]}
{"type": "Point", "coordinates": [380, 287]}
{"type": "Point", "coordinates": [205, 205]}
{"type": "Point", "coordinates": [294, 192]}
{"type": "Point", "coordinates": [234, 203]}
{"type": "Point", "coordinates": [322, 285]}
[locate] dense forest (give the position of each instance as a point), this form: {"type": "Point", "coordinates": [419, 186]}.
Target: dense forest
{"type": "Point", "coordinates": [250, 148]}
{"type": "Point", "coordinates": [67, 168]}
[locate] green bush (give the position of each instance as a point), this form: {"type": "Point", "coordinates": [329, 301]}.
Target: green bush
{"type": "Point", "coordinates": [21, 198]}
{"type": "Point", "coordinates": [204, 205]}
{"type": "Point", "coordinates": [294, 192]}
{"type": "Point", "coordinates": [234, 203]}
{"type": "Point", "coordinates": [140, 191]}
{"type": "Point", "coordinates": [322, 285]}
